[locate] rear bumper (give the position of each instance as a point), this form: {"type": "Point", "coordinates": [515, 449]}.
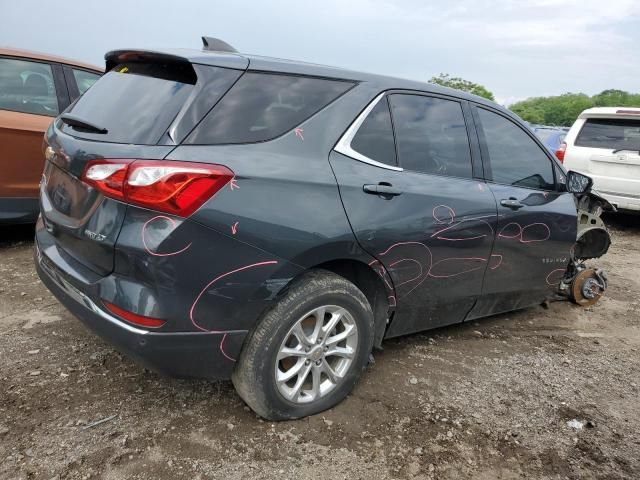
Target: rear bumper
{"type": "Point", "coordinates": [176, 354]}
{"type": "Point", "coordinates": [623, 193]}
{"type": "Point", "coordinates": [18, 210]}
{"type": "Point", "coordinates": [622, 202]}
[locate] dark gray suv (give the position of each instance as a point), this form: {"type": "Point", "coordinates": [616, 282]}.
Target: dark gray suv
{"type": "Point", "coordinates": [222, 215]}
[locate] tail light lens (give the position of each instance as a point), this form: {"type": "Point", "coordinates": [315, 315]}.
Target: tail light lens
{"type": "Point", "coordinates": [178, 188]}
{"type": "Point", "coordinates": [560, 151]}
{"type": "Point", "coordinates": [134, 318]}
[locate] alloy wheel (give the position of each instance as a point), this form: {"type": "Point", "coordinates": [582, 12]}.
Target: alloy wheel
{"type": "Point", "coordinates": [316, 354]}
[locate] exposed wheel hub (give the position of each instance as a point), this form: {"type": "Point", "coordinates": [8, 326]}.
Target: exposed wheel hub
{"type": "Point", "coordinates": [588, 286]}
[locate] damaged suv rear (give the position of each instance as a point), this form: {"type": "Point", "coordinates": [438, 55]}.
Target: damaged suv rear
{"type": "Point", "coordinates": [220, 215]}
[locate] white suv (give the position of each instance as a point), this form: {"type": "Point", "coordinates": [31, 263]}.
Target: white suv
{"type": "Point", "coordinates": [604, 143]}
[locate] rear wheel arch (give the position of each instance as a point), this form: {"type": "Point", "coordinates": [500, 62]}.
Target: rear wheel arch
{"type": "Point", "coordinates": [371, 285]}
{"type": "Point", "coordinates": [254, 377]}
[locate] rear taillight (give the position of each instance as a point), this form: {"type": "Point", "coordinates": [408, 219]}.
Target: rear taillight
{"type": "Point", "coordinates": [134, 318]}
{"type": "Point", "coordinates": [179, 188]}
{"type": "Point", "coordinates": [560, 151]}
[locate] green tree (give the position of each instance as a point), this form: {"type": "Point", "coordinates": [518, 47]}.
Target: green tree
{"type": "Point", "coordinates": [458, 83]}
{"type": "Point", "coordinates": [616, 98]}
{"type": "Point", "coordinates": [564, 109]}
{"type": "Point", "coordinates": [558, 110]}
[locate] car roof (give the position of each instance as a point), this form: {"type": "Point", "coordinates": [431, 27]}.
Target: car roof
{"type": "Point", "coordinates": [14, 52]}
{"type": "Point", "coordinates": [608, 112]}
{"type": "Point", "coordinates": [270, 64]}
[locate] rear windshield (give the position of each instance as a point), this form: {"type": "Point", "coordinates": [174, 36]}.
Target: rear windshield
{"type": "Point", "coordinates": [544, 134]}
{"type": "Point", "coordinates": [614, 134]}
{"type": "Point", "coordinates": [135, 102]}
{"type": "Point", "coordinates": [262, 106]}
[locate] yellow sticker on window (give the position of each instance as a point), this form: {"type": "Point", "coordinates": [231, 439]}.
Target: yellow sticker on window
{"type": "Point", "coordinates": [123, 70]}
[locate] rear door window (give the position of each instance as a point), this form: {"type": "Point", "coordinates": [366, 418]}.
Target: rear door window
{"type": "Point", "coordinates": [27, 87]}
{"type": "Point", "coordinates": [137, 102]}
{"type": "Point", "coordinates": [610, 133]}
{"type": "Point", "coordinates": [431, 135]}
{"type": "Point", "coordinates": [514, 157]}
{"type": "Point", "coordinates": [262, 106]}
{"type": "Point", "coordinates": [374, 138]}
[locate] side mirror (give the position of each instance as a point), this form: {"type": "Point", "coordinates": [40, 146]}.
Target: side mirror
{"type": "Point", "coordinates": [578, 183]}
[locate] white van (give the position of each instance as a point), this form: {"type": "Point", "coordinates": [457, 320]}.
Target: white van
{"type": "Point", "coordinates": [604, 143]}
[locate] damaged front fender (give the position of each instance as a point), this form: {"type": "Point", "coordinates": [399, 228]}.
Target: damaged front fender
{"type": "Point", "coordinates": [581, 284]}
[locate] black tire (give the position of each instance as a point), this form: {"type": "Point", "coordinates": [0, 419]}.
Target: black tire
{"type": "Point", "coordinates": [254, 375]}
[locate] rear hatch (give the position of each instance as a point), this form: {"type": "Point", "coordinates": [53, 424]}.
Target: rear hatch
{"type": "Point", "coordinates": [140, 109]}
{"type": "Point", "coordinates": [613, 149]}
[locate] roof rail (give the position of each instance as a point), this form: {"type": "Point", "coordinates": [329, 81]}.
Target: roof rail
{"type": "Point", "coordinates": [216, 45]}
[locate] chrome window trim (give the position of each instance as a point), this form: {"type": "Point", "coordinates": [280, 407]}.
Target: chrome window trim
{"type": "Point", "coordinates": [344, 144]}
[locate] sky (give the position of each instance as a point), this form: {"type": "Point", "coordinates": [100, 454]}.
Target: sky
{"type": "Point", "coordinates": [517, 49]}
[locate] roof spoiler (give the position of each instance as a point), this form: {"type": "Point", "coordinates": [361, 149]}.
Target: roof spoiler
{"type": "Point", "coordinates": [212, 44]}
{"type": "Point", "coordinates": [116, 57]}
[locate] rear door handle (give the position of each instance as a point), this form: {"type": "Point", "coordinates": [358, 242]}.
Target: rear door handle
{"type": "Point", "coordinates": [512, 203]}
{"type": "Point", "coordinates": [383, 189]}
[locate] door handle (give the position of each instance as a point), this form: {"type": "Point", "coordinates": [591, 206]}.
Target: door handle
{"type": "Point", "coordinates": [384, 189]}
{"type": "Point", "coordinates": [512, 203]}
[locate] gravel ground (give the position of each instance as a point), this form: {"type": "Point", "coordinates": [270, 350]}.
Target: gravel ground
{"type": "Point", "coordinates": [541, 393]}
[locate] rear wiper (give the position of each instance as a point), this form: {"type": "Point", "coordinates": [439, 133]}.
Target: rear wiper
{"type": "Point", "coordinates": [626, 150]}
{"type": "Point", "coordinates": [78, 122]}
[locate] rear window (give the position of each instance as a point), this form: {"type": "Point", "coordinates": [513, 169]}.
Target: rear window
{"type": "Point", "coordinates": [544, 134]}
{"type": "Point", "coordinates": [262, 106]}
{"type": "Point", "coordinates": [610, 133]}
{"type": "Point", "coordinates": [137, 102]}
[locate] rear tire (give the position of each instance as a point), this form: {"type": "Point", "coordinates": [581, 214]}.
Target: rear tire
{"type": "Point", "coordinates": [306, 353]}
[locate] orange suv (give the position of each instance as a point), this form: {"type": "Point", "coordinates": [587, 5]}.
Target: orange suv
{"type": "Point", "coordinates": [34, 89]}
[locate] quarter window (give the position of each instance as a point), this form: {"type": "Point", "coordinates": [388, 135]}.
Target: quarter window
{"type": "Point", "coordinates": [514, 158]}
{"type": "Point", "coordinates": [375, 136]}
{"type": "Point", "coordinates": [84, 79]}
{"type": "Point", "coordinates": [27, 87]}
{"type": "Point", "coordinates": [431, 135]}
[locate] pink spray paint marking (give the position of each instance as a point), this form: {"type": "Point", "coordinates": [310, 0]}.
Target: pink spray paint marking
{"type": "Point", "coordinates": [553, 274]}
{"type": "Point", "coordinates": [424, 266]}
{"type": "Point", "coordinates": [233, 184]}
{"type": "Point", "coordinates": [454, 260]}
{"type": "Point", "coordinates": [202, 292]}
{"type": "Point", "coordinates": [382, 272]}
{"type": "Point", "coordinates": [518, 232]}
{"type": "Point", "coordinates": [227, 356]}
{"type": "Point", "coordinates": [499, 257]}
{"type": "Point", "coordinates": [144, 239]}
{"type": "Point", "coordinates": [457, 223]}
{"type": "Point", "coordinates": [540, 226]}
{"type": "Point", "coordinates": [445, 216]}
{"type": "Point", "coordinates": [438, 216]}
{"type": "Point", "coordinates": [299, 131]}
{"type": "Point", "coordinates": [234, 228]}
{"type": "Point", "coordinates": [402, 260]}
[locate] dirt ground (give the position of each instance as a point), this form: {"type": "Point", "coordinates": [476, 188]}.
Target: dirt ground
{"type": "Point", "coordinates": [493, 399]}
